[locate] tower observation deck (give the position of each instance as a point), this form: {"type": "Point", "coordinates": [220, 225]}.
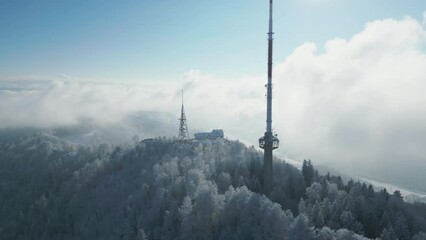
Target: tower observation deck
{"type": "Point", "coordinates": [269, 141]}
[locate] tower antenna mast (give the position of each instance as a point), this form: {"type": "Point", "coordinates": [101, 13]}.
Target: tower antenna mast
{"type": "Point", "coordinates": [269, 141]}
{"type": "Point", "coordinates": [183, 127]}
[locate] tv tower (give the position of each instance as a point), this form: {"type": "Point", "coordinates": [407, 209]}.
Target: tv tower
{"type": "Point", "coordinates": [269, 141]}
{"type": "Point", "coordinates": [183, 127]}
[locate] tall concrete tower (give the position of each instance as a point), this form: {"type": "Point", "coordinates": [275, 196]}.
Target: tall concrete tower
{"type": "Point", "coordinates": [269, 141]}
{"type": "Point", "coordinates": [183, 127]}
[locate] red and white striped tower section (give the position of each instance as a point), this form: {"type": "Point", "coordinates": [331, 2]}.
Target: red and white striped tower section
{"type": "Point", "coordinates": [269, 141]}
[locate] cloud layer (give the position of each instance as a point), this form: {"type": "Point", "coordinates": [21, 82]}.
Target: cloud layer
{"type": "Point", "coordinates": [357, 103]}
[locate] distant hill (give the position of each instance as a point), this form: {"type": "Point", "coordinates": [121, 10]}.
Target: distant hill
{"type": "Point", "coordinates": [161, 188]}
{"type": "Point", "coordinates": [411, 196]}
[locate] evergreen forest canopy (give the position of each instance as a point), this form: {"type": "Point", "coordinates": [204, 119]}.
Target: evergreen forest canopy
{"type": "Point", "coordinates": [164, 189]}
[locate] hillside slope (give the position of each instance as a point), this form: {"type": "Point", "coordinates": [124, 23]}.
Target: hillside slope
{"type": "Point", "coordinates": [165, 189]}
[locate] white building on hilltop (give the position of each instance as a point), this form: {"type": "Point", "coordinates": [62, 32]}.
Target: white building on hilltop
{"type": "Point", "coordinates": [213, 135]}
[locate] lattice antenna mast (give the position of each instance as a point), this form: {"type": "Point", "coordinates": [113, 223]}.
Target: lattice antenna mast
{"type": "Point", "coordinates": [269, 141]}
{"type": "Point", "coordinates": [183, 127]}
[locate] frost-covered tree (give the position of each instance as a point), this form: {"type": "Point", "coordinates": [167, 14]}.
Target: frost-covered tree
{"type": "Point", "coordinates": [302, 207]}
{"type": "Point", "coordinates": [300, 229]}
{"type": "Point", "coordinates": [419, 236]}
{"type": "Point", "coordinates": [141, 235]}
{"type": "Point", "coordinates": [308, 172]}
{"type": "Point", "coordinates": [388, 234]}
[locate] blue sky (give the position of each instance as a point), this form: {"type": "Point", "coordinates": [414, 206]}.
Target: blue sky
{"type": "Point", "coordinates": [160, 40]}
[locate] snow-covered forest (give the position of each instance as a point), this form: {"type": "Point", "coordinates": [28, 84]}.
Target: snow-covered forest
{"type": "Point", "coordinates": [165, 189]}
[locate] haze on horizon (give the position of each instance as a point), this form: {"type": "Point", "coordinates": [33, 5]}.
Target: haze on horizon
{"type": "Point", "coordinates": [348, 84]}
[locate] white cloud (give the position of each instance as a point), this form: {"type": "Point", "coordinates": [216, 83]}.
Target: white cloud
{"type": "Point", "coordinates": [209, 102]}
{"type": "Point", "coordinates": [361, 101]}
{"type": "Point", "coordinates": [58, 103]}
